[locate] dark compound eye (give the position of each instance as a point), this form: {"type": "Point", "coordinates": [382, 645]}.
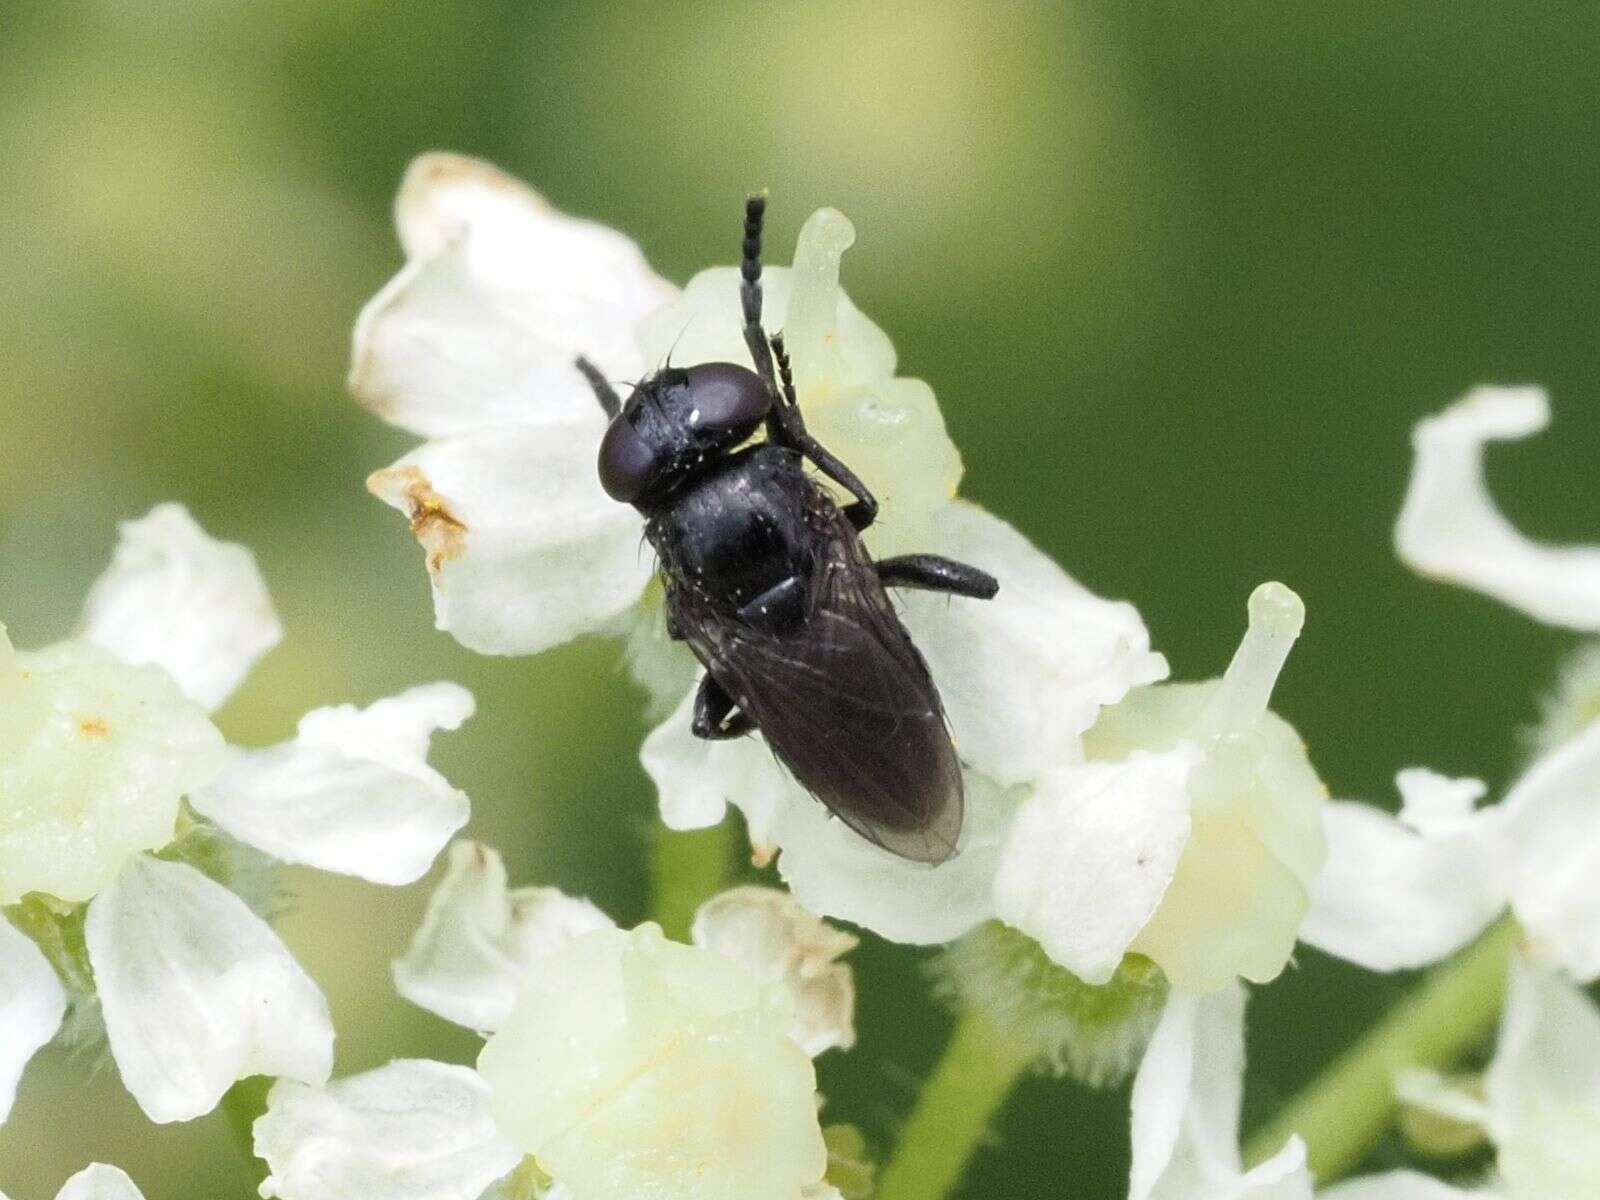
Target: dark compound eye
{"type": "Point", "coordinates": [724, 397]}
{"type": "Point", "coordinates": [627, 461]}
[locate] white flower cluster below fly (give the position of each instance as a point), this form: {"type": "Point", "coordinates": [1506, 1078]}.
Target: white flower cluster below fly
{"type": "Point", "coordinates": [1187, 828]}
{"type": "Point", "coordinates": [109, 762]}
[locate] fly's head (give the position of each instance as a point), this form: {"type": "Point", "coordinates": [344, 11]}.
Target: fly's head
{"type": "Point", "coordinates": [675, 423]}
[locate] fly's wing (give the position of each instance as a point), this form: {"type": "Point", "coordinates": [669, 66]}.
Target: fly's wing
{"type": "Point", "coordinates": [846, 702]}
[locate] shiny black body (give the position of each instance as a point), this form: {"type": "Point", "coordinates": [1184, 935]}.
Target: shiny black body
{"type": "Point", "coordinates": [768, 582]}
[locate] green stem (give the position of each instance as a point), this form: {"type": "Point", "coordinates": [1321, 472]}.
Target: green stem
{"type": "Point", "coordinates": [686, 869]}
{"type": "Point", "coordinates": [953, 1114]}
{"type": "Point", "coordinates": [1347, 1108]}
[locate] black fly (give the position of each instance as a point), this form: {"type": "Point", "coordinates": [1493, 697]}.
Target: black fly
{"type": "Point", "coordinates": [767, 580]}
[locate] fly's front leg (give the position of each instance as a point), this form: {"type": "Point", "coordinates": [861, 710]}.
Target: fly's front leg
{"type": "Point", "coordinates": [712, 707]}
{"type": "Point", "coordinates": [935, 573]}
{"type": "Point", "coordinates": [786, 427]}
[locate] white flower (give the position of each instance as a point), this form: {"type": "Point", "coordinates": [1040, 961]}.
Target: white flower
{"type": "Point", "coordinates": [634, 1066]}
{"type": "Point", "coordinates": [1540, 1106]}
{"type": "Point", "coordinates": [472, 346]}
{"type": "Point", "coordinates": [101, 741]}
{"type": "Point", "coordinates": [1407, 891]}
{"type": "Point", "coordinates": [1451, 529]}
{"type": "Point", "coordinates": [1214, 876]}
{"type": "Point", "coordinates": [766, 931]}
{"type": "Point", "coordinates": [1185, 1111]}
{"type": "Point", "coordinates": [95, 758]}
{"type": "Point", "coordinates": [480, 943]}
{"type": "Point", "coordinates": [1543, 1089]}
{"type": "Point", "coordinates": [624, 1063]}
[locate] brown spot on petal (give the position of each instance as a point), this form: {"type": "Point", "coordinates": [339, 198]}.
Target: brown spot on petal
{"type": "Point", "coordinates": [441, 533]}
{"type": "Point", "coordinates": [761, 855]}
{"type": "Point", "coordinates": [93, 727]}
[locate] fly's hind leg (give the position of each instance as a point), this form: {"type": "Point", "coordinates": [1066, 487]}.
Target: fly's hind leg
{"type": "Point", "coordinates": [935, 573]}
{"type": "Point", "coordinates": [715, 718]}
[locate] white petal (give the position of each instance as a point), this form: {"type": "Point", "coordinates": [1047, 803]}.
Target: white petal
{"type": "Point", "coordinates": [765, 930]}
{"type": "Point", "coordinates": [1396, 894]}
{"type": "Point", "coordinates": [178, 598]}
{"type": "Point", "coordinates": [835, 872]}
{"type": "Point", "coordinates": [412, 1130]}
{"type": "Point", "coordinates": [198, 992]}
{"type": "Point", "coordinates": [1399, 1185]}
{"type": "Point", "coordinates": [353, 792]}
{"type": "Point", "coordinates": [501, 293]}
{"type": "Point", "coordinates": [1185, 1111]}
{"type": "Point", "coordinates": [1437, 804]}
{"type": "Point", "coordinates": [99, 1182]}
{"type": "Point", "coordinates": [1548, 1051]}
{"type": "Point", "coordinates": [1091, 854]}
{"type": "Point", "coordinates": [524, 547]}
{"type": "Point", "coordinates": [1025, 674]}
{"type": "Point", "coordinates": [1451, 529]}
{"type": "Point", "coordinates": [1543, 1087]}
{"type": "Point", "coordinates": [664, 668]}
{"type": "Point", "coordinates": [477, 939]}
{"type": "Point", "coordinates": [32, 1004]}
{"type": "Point", "coordinates": [697, 779]}
{"type": "Point", "coordinates": [1553, 821]}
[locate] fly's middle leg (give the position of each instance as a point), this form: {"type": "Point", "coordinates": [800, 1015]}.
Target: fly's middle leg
{"type": "Point", "coordinates": [935, 573]}
{"type": "Point", "coordinates": [715, 718]}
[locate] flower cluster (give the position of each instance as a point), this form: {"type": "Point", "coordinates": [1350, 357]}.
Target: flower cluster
{"type": "Point", "coordinates": [1134, 850]}
{"type": "Point", "coordinates": [1106, 812]}
{"type": "Point", "coordinates": [618, 1062]}
{"type": "Point", "coordinates": [1539, 1108]}
{"type": "Point", "coordinates": [135, 844]}
{"type": "Point", "coordinates": [1406, 891]}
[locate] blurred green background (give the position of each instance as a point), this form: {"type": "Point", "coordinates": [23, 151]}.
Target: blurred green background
{"type": "Point", "coordinates": [1183, 276]}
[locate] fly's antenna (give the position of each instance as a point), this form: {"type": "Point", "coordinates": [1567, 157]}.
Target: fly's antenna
{"type": "Point", "coordinates": [755, 211]}
{"type": "Point", "coordinates": [785, 374]}
{"type": "Point", "coordinates": [603, 391]}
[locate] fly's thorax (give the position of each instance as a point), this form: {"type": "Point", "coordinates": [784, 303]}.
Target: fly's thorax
{"type": "Point", "coordinates": [740, 528]}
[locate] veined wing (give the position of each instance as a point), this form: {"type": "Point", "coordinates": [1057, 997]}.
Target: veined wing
{"type": "Point", "coordinates": [845, 701]}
